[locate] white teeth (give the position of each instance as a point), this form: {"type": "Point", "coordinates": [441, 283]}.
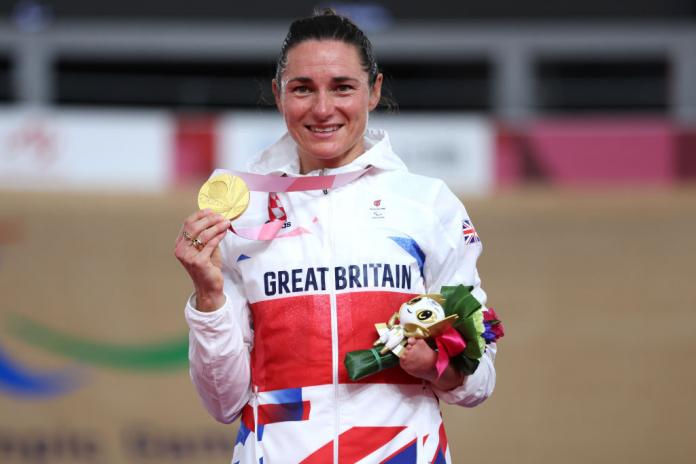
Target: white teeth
{"type": "Point", "coordinates": [325, 129]}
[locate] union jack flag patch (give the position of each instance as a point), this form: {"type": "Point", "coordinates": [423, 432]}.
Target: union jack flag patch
{"type": "Point", "coordinates": [470, 235]}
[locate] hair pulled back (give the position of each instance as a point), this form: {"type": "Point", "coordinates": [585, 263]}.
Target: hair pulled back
{"type": "Point", "coordinates": [327, 25]}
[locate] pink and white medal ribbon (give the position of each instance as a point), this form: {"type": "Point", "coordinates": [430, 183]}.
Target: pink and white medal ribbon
{"type": "Point", "coordinates": [274, 184]}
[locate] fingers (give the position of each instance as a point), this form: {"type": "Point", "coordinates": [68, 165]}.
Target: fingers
{"type": "Point", "coordinates": [202, 220]}
{"type": "Point", "coordinates": [189, 221]}
{"type": "Point", "coordinates": [198, 226]}
{"type": "Point", "coordinates": [210, 245]}
{"type": "Point", "coordinates": [184, 250]}
{"type": "Point", "coordinates": [214, 230]}
{"type": "Point", "coordinates": [418, 359]}
{"type": "Point", "coordinates": [414, 347]}
{"type": "Point", "coordinates": [410, 343]}
{"type": "Point", "coordinates": [197, 250]}
{"type": "Point", "coordinates": [193, 217]}
{"type": "Point", "coordinates": [199, 229]}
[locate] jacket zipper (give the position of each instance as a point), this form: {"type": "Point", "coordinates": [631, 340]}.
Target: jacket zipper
{"type": "Point", "coordinates": [334, 326]}
{"type": "Point", "coordinates": [257, 447]}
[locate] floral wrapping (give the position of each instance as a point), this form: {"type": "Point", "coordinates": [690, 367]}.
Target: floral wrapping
{"type": "Point", "coordinates": [476, 327]}
{"type": "Point", "coordinates": [493, 327]}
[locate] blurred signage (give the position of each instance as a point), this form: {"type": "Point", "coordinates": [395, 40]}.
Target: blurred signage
{"type": "Point", "coordinates": [84, 150]}
{"type": "Point", "coordinates": [590, 152]}
{"type": "Point", "coordinates": [455, 148]}
{"type": "Point", "coordinates": [132, 443]}
{"type": "Point", "coordinates": [241, 135]}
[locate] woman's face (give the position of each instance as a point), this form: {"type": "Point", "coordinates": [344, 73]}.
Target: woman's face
{"type": "Point", "coordinates": [324, 97]}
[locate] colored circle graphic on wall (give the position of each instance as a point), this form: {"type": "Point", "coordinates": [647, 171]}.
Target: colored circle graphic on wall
{"type": "Point", "coordinates": [19, 380]}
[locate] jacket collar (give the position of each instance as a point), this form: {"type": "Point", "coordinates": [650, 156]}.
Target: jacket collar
{"type": "Point", "coordinates": [281, 157]}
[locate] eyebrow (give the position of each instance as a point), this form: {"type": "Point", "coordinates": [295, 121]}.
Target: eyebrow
{"type": "Point", "coordinates": [305, 80]}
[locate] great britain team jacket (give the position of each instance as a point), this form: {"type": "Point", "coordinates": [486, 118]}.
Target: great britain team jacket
{"type": "Point", "coordinates": [345, 259]}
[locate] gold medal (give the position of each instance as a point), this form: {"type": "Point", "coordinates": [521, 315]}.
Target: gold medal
{"type": "Point", "coordinates": [224, 194]}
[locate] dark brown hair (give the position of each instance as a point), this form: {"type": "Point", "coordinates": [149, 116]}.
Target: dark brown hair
{"type": "Point", "coordinates": [327, 25]}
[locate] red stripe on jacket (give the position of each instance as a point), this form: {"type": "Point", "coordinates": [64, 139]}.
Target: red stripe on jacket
{"type": "Point", "coordinates": [292, 338]}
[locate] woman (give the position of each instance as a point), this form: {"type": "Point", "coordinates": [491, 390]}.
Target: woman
{"type": "Point", "coordinates": [367, 247]}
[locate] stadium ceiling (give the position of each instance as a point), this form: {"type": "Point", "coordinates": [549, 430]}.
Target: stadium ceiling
{"type": "Point", "coordinates": [397, 10]}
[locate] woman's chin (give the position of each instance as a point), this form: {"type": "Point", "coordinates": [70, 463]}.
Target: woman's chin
{"type": "Point", "coordinates": [328, 155]}
{"type": "Point", "coordinates": [322, 156]}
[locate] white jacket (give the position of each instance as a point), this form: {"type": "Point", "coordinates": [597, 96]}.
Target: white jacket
{"type": "Point", "coordinates": [296, 304]}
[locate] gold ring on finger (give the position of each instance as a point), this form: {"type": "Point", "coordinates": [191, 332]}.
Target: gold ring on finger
{"type": "Point", "coordinates": [197, 243]}
{"type": "Point", "coordinates": [187, 236]}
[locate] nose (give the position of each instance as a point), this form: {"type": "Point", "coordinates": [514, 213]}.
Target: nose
{"type": "Point", "coordinates": [323, 105]}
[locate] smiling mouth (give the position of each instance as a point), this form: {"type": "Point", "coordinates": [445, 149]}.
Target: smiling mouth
{"type": "Point", "coordinates": [324, 129]}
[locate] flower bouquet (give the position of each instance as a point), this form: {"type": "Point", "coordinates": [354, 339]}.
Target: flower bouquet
{"type": "Point", "coordinates": [453, 320]}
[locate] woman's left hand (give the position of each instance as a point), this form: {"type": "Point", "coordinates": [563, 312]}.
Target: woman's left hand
{"type": "Point", "coordinates": [419, 361]}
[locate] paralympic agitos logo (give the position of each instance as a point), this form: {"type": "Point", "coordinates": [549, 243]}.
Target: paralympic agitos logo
{"type": "Point", "coordinates": [22, 381]}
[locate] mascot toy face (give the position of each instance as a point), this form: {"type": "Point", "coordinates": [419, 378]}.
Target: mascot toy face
{"type": "Point", "coordinates": [420, 317]}
{"type": "Point", "coordinates": [421, 311]}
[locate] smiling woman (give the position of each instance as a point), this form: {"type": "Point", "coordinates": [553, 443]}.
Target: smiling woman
{"type": "Point", "coordinates": [325, 97]}
{"type": "Point", "coordinates": [326, 83]}
{"type": "Point", "coordinates": [271, 321]}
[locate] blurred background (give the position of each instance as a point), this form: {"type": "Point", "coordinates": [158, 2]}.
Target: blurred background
{"type": "Point", "coordinates": [567, 128]}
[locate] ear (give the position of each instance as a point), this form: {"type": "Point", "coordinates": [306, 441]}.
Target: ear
{"type": "Point", "coordinates": [376, 92]}
{"type": "Point", "coordinates": [276, 94]}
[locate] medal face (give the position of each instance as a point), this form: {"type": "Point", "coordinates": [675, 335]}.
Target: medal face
{"type": "Point", "coordinates": [224, 194]}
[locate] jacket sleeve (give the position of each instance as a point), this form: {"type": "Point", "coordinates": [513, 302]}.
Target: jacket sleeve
{"type": "Point", "coordinates": [220, 343]}
{"type": "Point", "coordinates": [451, 260]}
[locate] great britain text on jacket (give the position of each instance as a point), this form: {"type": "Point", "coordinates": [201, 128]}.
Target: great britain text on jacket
{"type": "Point", "coordinates": [376, 275]}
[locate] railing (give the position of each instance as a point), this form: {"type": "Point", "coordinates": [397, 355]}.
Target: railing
{"type": "Point", "coordinates": [513, 55]}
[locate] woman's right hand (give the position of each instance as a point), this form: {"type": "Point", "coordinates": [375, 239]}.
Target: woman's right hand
{"type": "Point", "coordinates": [203, 263]}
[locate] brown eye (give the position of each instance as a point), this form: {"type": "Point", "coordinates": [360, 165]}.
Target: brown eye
{"type": "Point", "coordinates": [300, 89]}
{"type": "Point", "coordinates": [425, 314]}
{"type": "Point", "coordinates": [415, 300]}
